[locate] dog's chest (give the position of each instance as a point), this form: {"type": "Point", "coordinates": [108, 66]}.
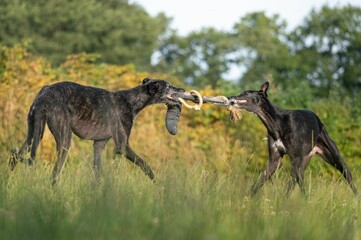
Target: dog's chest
{"type": "Point", "coordinates": [278, 145]}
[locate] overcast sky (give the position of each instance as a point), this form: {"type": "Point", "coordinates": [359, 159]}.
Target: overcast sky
{"type": "Point", "coordinates": [190, 15]}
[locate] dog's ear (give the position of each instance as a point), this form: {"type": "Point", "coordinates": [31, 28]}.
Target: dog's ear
{"type": "Point", "coordinates": [153, 87]}
{"type": "Point", "coordinates": [145, 80]}
{"type": "Point", "coordinates": [264, 88]}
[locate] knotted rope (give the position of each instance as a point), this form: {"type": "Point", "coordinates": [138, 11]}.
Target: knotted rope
{"type": "Point", "coordinates": [196, 107]}
{"type": "Point", "coordinates": [235, 114]}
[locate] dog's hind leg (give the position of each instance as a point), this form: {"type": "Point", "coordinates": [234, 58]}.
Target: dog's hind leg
{"type": "Point", "coordinates": [98, 148]}
{"type": "Point", "coordinates": [59, 125]}
{"type": "Point", "coordinates": [330, 153]}
{"type": "Point", "coordinates": [62, 148]}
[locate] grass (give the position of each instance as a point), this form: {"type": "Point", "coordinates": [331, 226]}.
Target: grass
{"type": "Point", "coordinates": [184, 203]}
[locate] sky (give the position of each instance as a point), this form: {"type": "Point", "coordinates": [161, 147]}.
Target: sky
{"type": "Point", "coordinates": [192, 15]}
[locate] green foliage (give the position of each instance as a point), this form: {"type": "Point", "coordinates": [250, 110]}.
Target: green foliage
{"type": "Point", "coordinates": [117, 30]}
{"type": "Point", "coordinates": [323, 53]}
{"type": "Point", "coordinates": [199, 59]}
{"type": "Point", "coordinates": [328, 44]}
{"type": "Point", "coordinates": [264, 52]}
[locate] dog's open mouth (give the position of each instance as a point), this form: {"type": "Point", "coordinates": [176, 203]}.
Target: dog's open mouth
{"type": "Point", "coordinates": [242, 101]}
{"type": "Point", "coordinates": [188, 96]}
{"type": "Point", "coordinates": [184, 95]}
{"type": "Point", "coordinates": [173, 98]}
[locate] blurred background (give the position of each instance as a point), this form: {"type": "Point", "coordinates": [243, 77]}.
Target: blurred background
{"type": "Point", "coordinates": [310, 52]}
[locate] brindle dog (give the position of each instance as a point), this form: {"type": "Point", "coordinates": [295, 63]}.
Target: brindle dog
{"type": "Point", "coordinates": [95, 114]}
{"type": "Point", "coordinates": [298, 133]}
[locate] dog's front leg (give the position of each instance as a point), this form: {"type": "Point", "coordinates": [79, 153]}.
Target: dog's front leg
{"type": "Point", "coordinates": [274, 162]}
{"type": "Point", "coordinates": [120, 137]}
{"type": "Point", "coordinates": [134, 158]}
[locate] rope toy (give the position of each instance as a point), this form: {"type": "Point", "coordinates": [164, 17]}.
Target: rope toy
{"type": "Point", "coordinates": [196, 107]}
{"type": "Point", "coordinates": [235, 114]}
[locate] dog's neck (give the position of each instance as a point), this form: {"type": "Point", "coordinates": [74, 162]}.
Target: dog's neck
{"type": "Point", "coordinates": [137, 98]}
{"type": "Point", "coordinates": [268, 114]}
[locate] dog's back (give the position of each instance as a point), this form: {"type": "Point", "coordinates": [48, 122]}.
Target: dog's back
{"type": "Point", "coordinates": [74, 95]}
{"type": "Point", "coordinates": [85, 107]}
{"type": "Point", "coordinates": [300, 122]}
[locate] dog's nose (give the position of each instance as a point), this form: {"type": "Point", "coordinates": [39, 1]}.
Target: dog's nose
{"type": "Point", "coordinates": [232, 101]}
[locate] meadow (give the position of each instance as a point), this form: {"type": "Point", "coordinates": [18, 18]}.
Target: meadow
{"type": "Point", "coordinates": [203, 174]}
{"type": "Point", "coordinates": [183, 203]}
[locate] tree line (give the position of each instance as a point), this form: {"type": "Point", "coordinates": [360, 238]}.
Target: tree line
{"type": "Point", "coordinates": [320, 55]}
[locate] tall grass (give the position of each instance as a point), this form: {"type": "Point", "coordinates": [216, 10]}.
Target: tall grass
{"type": "Point", "coordinates": [183, 203]}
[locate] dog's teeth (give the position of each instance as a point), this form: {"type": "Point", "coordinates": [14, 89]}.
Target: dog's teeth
{"type": "Point", "coordinates": [241, 101]}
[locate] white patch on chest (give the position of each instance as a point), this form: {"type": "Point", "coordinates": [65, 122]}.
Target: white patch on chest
{"type": "Point", "coordinates": [278, 145]}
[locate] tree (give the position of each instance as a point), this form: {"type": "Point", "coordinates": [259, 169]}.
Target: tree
{"type": "Point", "coordinates": [201, 58]}
{"type": "Point", "coordinates": [328, 44]}
{"type": "Point", "coordinates": [262, 48]}
{"type": "Point", "coordinates": [117, 30]}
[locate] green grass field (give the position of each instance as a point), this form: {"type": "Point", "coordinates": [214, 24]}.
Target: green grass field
{"type": "Point", "coordinates": [184, 203]}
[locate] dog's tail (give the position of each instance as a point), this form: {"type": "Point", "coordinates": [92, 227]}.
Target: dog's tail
{"type": "Point", "coordinates": [333, 157]}
{"type": "Point", "coordinates": [36, 125]}
{"type": "Point", "coordinates": [36, 120]}
{"type": "Point", "coordinates": [329, 143]}
{"type": "Point", "coordinates": [17, 154]}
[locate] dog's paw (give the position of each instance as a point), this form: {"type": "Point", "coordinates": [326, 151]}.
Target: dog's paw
{"type": "Point", "coordinates": [13, 158]}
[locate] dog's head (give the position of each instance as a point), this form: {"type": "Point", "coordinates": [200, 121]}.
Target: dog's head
{"type": "Point", "coordinates": [163, 92]}
{"type": "Point", "coordinates": [251, 100]}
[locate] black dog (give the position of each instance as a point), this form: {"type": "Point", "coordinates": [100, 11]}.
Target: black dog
{"type": "Point", "coordinates": [95, 114]}
{"type": "Point", "coordinates": [298, 133]}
